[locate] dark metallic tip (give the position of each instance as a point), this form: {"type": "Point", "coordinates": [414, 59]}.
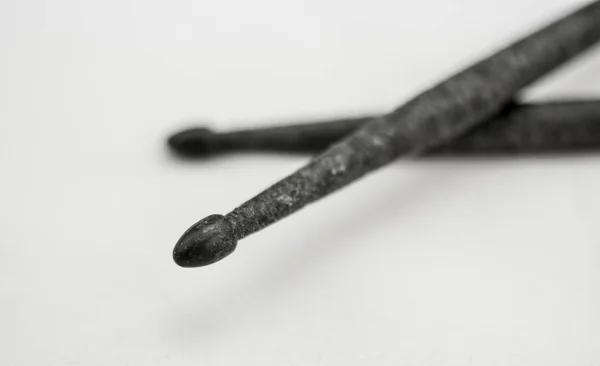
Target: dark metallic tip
{"type": "Point", "coordinates": [208, 241]}
{"type": "Point", "coordinates": [194, 142]}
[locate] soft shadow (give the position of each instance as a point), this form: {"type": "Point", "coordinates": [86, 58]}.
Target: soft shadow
{"type": "Point", "coordinates": [395, 200]}
{"type": "Point", "coordinates": [309, 252]}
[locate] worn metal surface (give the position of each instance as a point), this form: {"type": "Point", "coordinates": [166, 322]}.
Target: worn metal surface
{"type": "Point", "coordinates": [438, 115]}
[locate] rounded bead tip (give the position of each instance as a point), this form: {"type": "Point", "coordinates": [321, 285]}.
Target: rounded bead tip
{"type": "Point", "coordinates": [206, 242]}
{"type": "Point", "coordinates": [195, 142]}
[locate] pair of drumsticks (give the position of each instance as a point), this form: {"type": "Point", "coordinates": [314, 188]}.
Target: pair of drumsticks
{"type": "Point", "coordinates": [472, 113]}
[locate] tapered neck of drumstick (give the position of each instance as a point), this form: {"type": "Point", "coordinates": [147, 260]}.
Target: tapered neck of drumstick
{"type": "Point", "coordinates": [306, 137]}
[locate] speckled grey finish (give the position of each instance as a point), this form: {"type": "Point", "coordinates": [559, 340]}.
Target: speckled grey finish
{"type": "Point", "coordinates": [557, 127]}
{"type": "Point", "coordinates": [432, 118]}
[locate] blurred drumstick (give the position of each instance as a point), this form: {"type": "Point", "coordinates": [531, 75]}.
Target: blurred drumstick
{"type": "Point", "coordinates": [557, 127]}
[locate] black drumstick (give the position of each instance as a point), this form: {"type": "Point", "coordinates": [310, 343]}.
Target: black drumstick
{"type": "Point", "coordinates": [438, 115]}
{"type": "Point", "coordinates": [557, 127]}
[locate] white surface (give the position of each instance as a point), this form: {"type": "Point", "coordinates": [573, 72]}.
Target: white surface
{"type": "Point", "coordinates": [423, 263]}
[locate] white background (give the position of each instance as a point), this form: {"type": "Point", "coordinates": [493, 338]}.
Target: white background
{"type": "Point", "coordinates": [493, 262]}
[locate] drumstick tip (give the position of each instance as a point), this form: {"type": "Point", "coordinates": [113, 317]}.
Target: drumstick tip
{"type": "Point", "coordinates": [208, 241]}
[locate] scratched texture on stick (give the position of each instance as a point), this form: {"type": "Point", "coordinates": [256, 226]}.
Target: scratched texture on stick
{"type": "Point", "coordinates": [432, 118]}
